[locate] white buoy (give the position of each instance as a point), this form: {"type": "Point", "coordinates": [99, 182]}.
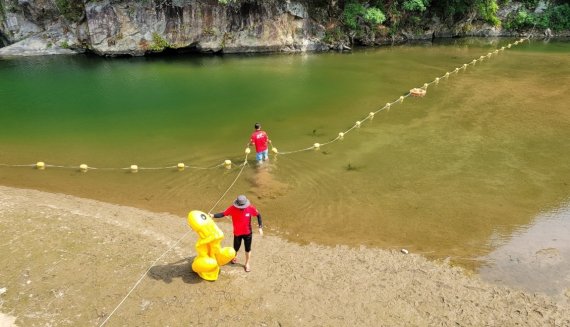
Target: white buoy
{"type": "Point", "coordinates": [371, 115]}
{"type": "Point", "coordinates": [502, 49]}
{"type": "Point", "coordinates": [247, 150]}
{"type": "Point", "coordinates": [401, 99]}
{"type": "Point", "coordinates": [464, 66]}
{"type": "Point", "coordinates": [341, 135]}
{"type": "Point", "coordinates": [425, 86]}
{"type": "Point", "coordinates": [404, 251]}
{"type": "Point", "coordinates": [228, 164]}
{"type": "Point", "coordinates": [436, 80]}
{"type": "Point", "coordinates": [388, 106]}
{"type": "Point", "coordinates": [316, 146]}
{"type": "Point", "coordinates": [40, 165]}
{"type": "Point", "coordinates": [134, 168]}
{"type": "Point", "coordinates": [509, 46]}
{"type": "Point", "coordinates": [83, 168]}
{"type": "Point", "coordinates": [446, 75]}
{"type": "Point", "coordinates": [274, 150]}
{"type": "Point", "coordinates": [181, 166]}
{"type": "Point", "coordinates": [473, 62]}
{"type": "Point", "coordinates": [496, 51]}
{"type": "Point", "coordinates": [357, 124]}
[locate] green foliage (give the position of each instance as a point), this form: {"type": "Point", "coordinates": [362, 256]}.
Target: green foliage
{"type": "Point", "coordinates": [554, 17]}
{"type": "Point", "coordinates": [488, 11]}
{"type": "Point", "coordinates": [415, 5]}
{"type": "Point", "coordinates": [521, 19]}
{"type": "Point", "coordinates": [351, 13]}
{"type": "Point", "coordinates": [374, 16]}
{"type": "Point", "coordinates": [158, 43]}
{"type": "Point", "coordinates": [333, 35]}
{"type": "Point", "coordinates": [355, 10]}
{"type": "Point", "coordinates": [64, 44]}
{"type": "Point", "coordinates": [558, 17]}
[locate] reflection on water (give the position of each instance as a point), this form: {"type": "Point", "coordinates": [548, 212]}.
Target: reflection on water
{"type": "Point", "coordinates": [535, 257]}
{"type": "Point", "coordinates": [484, 151]}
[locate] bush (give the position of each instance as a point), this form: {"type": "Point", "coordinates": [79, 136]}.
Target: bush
{"type": "Point", "coordinates": [520, 20]}
{"type": "Point", "coordinates": [415, 5]}
{"type": "Point", "coordinates": [554, 17]}
{"type": "Point", "coordinates": [355, 10]}
{"type": "Point", "coordinates": [374, 16]}
{"type": "Point", "coordinates": [488, 11]}
{"type": "Point", "coordinates": [158, 43]}
{"type": "Point", "coordinates": [557, 17]}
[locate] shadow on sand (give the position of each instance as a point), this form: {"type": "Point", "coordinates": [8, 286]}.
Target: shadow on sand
{"type": "Point", "coordinates": [179, 269]}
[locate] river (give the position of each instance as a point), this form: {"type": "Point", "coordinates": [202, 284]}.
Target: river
{"type": "Point", "coordinates": [460, 174]}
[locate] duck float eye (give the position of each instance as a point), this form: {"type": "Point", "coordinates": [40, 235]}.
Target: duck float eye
{"type": "Point", "coordinates": [203, 216]}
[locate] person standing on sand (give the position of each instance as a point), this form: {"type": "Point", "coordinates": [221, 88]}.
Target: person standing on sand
{"type": "Point", "coordinates": [260, 139]}
{"type": "Point", "coordinates": [241, 212]}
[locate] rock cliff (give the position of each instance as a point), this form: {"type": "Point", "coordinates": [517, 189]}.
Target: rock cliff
{"type": "Point", "coordinates": [139, 27]}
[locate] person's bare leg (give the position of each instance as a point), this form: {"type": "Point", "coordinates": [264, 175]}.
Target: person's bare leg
{"type": "Point", "coordinates": [247, 256]}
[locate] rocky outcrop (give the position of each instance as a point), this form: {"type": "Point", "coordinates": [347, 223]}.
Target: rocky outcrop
{"type": "Point", "coordinates": [139, 27]}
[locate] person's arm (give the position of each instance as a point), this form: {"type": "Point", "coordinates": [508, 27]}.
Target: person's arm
{"type": "Point", "coordinates": [218, 215]}
{"type": "Point", "coordinates": [259, 223]}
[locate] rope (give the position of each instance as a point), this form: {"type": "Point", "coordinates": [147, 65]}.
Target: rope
{"type": "Point", "coordinates": [386, 107]}
{"type": "Point", "coordinates": [172, 247]}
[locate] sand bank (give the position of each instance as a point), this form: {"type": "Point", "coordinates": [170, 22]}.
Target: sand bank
{"type": "Point", "coordinates": [69, 261]}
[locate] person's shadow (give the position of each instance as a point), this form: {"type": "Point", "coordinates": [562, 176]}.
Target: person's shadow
{"type": "Point", "coordinates": [179, 269]}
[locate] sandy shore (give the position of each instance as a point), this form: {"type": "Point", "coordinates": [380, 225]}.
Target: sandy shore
{"type": "Point", "coordinates": [69, 262]}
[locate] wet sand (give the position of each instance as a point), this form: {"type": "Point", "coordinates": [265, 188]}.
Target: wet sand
{"type": "Point", "coordinates": [69, 261]}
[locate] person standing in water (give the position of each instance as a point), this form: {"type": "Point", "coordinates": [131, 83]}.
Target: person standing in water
{"type": "Point", "coordinates": [260, 139]}
{"type": "Point", "coordinates": [241, 212]}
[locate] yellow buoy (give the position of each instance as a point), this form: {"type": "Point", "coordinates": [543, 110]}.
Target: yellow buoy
{"type": "Point", "coordinates": [446, 75]}
{"type": "Point", "coordinates": [456, 70]}
{"type": "Point", "coordinates": [83, 168]}
{"type": "Point", "coordinates": [473, 62]}
{"type": "Point", "coordinates": [425, 86]}
{"type": "Point", "coordinates": [509, 46]}
{"type": "Point", "coordinates": [316, 146]}
{"type": "Point", "coordinates": [496, 51]}
{"type": "Point", "coordinates": [134, 168]}
{"type": "Point", "coordinates": [228, 164]}
{"type": "Point", "coordinates": [371, 115]}
{"type": "Point", "coordinates": [341, 135]}
{"type": "Point", "coordinates": [40, 165]}
{"type": "Point", "coordinates": [388, 106]}
{"type": "Point", "coordinates": [357, 124]}
{"type": "Point", "coordinates": [436, 80]}
{"type": "Point", "coordinates": [181, 166]}
{"type": "Point", "coordinates": [482, 58]}
{"type": "Point", "coordinates": [274, 150]}
{"type": "Point", "coordinates": [502, 49]}
{"type": "Point", "coordinates": [464, 66]}
{"type": "Point", "coordinates": [401, 99]}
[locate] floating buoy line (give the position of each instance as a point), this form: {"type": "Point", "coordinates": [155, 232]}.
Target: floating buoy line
{"type": "Point", "coordinates": [228, 164]}
{"type": "Point", "coordinates": [415, 92]}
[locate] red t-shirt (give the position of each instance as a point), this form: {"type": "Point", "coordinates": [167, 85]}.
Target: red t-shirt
{"type": "Point", "coordinates": [241, 219]}
{"type": "Point", "coordinates": [259, 138]}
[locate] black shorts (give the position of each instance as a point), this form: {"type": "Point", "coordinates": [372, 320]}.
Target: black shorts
{"type": "Point", "coordinates": [246, 241]}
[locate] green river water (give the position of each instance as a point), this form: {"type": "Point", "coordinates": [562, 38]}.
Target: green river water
{"type": "Point", "coordinates": [477, 171]}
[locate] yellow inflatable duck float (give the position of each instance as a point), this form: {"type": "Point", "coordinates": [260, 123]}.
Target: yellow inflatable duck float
{"type": "Point", "coordinates": [210, 254]}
